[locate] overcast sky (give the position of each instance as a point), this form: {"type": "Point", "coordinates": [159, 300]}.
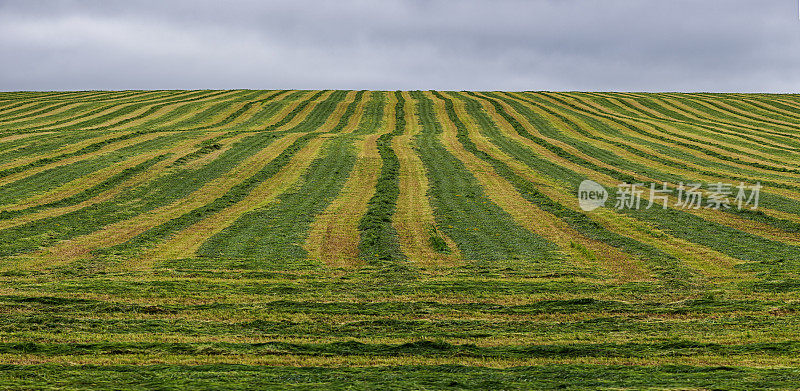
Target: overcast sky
{"type": "Point", "coordinates": [609, 45]}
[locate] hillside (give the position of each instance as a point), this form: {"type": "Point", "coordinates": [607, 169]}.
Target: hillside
{"type": "Point", "coordinates": [230, 237]}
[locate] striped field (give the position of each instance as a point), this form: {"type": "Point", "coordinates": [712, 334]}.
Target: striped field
{"type": "Point", "coordinates": [375, 239]}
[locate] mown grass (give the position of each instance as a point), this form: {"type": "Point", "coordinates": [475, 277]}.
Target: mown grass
{"type": "Point", "coordinates": [506, 309]}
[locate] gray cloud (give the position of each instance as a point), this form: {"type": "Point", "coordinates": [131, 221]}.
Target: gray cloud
{"type": "Point", "coordinates": [623, 45]}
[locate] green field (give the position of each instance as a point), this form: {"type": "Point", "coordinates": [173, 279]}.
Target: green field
{"type": "Point", "coordinates": [394, 240]}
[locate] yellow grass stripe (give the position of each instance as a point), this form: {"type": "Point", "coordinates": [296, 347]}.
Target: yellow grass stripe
{"type": "Point", "coordinates": [709, 144]}
{"type": "Point", "coordinates": [413, 218]}
{"type": "Point", "coordinates": [94, 178]}
{"type": "Point", "coordinates": [56, 111]}
{"type": "Point", "coordinates": [301, 116]}
{"type": "Point", "coordinates": [527, 214]}
{"type": "Point", "coordinates": [104, 150]}
{"type": "Point", "coordinates": [699, 139]}
{"type": "Point", "coordinates": [737, 112]}
{"type": "Point", "coordinates": [122, 231]}
{"type": "Point", "coordinates": [185, 243]}
{"type": "Point", "coordinates": [710, 117]}
{"type": "Point", "coordinates": [157, 170]}
{"type": "Point", "coordinates": [285, 110]}
{"type": "Point", "coordinates": [20, 136]}
{"type": "Point", "coordinates": [711, 262]}
{"type": "Point", "coordinates": [334, 236]}
{"type": "Point", "coordinates": [746, 225]}
{"type": "Point", "coordinates": [78, 118]}
{"type": "Point", "coordinates": [338, 112]}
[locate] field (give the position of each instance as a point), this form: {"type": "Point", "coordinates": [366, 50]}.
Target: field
{"type": "Point", "coordinates": [374, 239]}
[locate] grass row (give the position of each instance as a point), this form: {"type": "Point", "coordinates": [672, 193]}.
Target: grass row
{"type": "Point", "coordinates": [378, 236]}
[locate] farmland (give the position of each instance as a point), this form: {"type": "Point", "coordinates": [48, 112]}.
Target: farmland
{"type": "Point", "coordinates": [394, 239]}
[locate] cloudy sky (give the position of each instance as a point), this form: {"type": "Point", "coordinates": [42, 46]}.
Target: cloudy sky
{"type": "Point", "coordinates": [609, 45]}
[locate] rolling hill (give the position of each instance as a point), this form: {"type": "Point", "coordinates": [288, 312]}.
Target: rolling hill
{"type": "Point", "coordinates": [399, 239]}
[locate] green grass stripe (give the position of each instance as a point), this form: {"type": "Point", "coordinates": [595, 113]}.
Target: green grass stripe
{"type": "Point", "coordinates": [378, 236]}
{"type": "Point", "coordinates": [714, 110]}
{"type": "Point", "coordinates": [277, 232]}
{"type": "Point", "coordinates": [773, 201]}
{"type": "Point", "coordinates": [89, 193]}
{"type": "Point", "coordinates": [74, 115]}
{"type": "Point", "coordinates": [132, 202]}
{"type": "Point", "coordinates": [299, 108]}
{"type": "Point", "coordinates": [320, 113]}
{"type": "Point", "coordinates": [482, 230]}
{"type": "Point", "coordinates": [421, 348]}
{"type": "Point", "coordinates": [30, 111]}
{"type": "Point", "coordinates": [348, 112]}
{"type": "Point", "coordinates": [679, 223]}
{"type": "Point", "coordinates": [419, 377]}
{"type": "Point", "coordinates": [373, 114]}
{"type": "Point", "coordinates": [83, 151]}
{"type": "Point", "coordinates": [51, 178]}
{"type": "Point", "coordinates": [717, 128]}
{"type": "Point", "coordinates": [664, 264]}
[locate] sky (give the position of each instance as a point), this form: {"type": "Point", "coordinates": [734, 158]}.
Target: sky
{"type": "Point", "coordinates": [555, 45]}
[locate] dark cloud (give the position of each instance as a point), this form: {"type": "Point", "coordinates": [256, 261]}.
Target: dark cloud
{"type": "Point", "coordinates": [632, 45]}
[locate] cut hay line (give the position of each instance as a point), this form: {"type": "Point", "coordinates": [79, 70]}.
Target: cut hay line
{"type": "Point", "coordinates": [301, 112]}
{"type": "Point", "coordinates": [378, 244]}
{"type": "Point", "coordinates": [480, 228]}
{"type": "Point", "coordinates": [713, 148]}
{"type": "Point", "coordinates": [354, 113]}
{"type": "Point", "coordinates": [337, 118]}
{"type": "Point", "coordinates": [26, 124]}
{"type": "Point", "coordinates": [272, 236]}
{"type": "Point", "coordinates": [263, 112]}
{"type": "Point", "coordinates": [637, 230]}
{"type": "Point", "coordinates": [243, 110]}
{"type": "Point", "coordinates": [718, 130]}
{"type": "Point", "coordinates": [720, 126]}
{"type": "Point", "coordinates": [27, 113]}
{"type": "Point", "coordinates": [334, 236]}
{"type": "Point", "coordinates": [755, 234]}
{"type": "Point", "coordinates": [177, 114]}
{"type": "Point", "coordinates": [20, 136]}
{"type": "Point", "coordinates": [711, 113]}
{"type": "Point", "coordinates": [187, 242]}
{"type": "Point", "coordinates": [137, 180]}
{"type": "Point", "coordinates": [108, 110]}
{"type": "Point", "coordinates": [147, 111]}
{"type": "Point", "coordinates": [49, 148]}
{"type": "Point", "coordinates": [373, 115]}
{"type": "Point", "coordinates": [124, 230]}
{"type": "Point", "coordinates": [687, 169]}
{"type": "Point", "coordinates": [573, 244]}
{"type": "Point", "coordinates": [413, 217]}
{"type": "Point", "coordinates": [18, 172]}
{"type": "Point", "coordinates": [10, 107]}
{"type": "Point", "coordinates": [703, 173]}
{"type": "Point", "coordinates": [250, 111]}
{"type": "Point", "coordinates": [747, 114]}
{"type": "Point", "coordinates": [81, 184]}
{"type": "Point", "coordinates": [768, 107]}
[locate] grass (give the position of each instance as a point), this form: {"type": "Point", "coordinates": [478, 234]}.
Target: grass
{"type": "Point", "coordinates": [183, 239]}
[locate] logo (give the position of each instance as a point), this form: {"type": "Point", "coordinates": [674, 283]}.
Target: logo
{"type": "Point", "coordinates": [591, 195]}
